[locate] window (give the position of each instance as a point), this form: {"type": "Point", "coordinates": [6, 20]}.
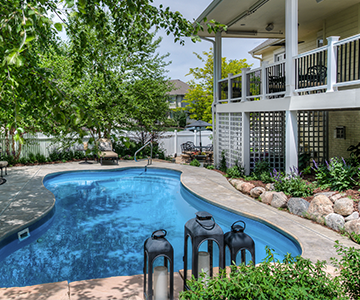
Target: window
{"type": "Point", "coordinates": [340, 132]}
{"type": "Point", "coordinates": [279, 57]}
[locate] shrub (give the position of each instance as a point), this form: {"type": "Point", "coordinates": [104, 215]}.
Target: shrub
{"type": "Point", "coordinates": [40, 158]}
{"type": "Point", "coordinates": [261, 166]}
{"type": "Point", "coordinates": [210, 167]}
{"type": "Point", "coordinates": [236, 171]}
{"type": "Point", "coordinates": [349, 265]}
{"type": "Point", "coordinates": [23, 160]}
{"type": "Point", "coordinates": [336, 175]}
{"type": "Point", "coordinates": [10, 159]}
{"type": "Point", "coordinates": [292, 184]}
{"type": "Point", "coordinates": [195, 163]}
{"type": "Point", "coordinates": [222, 165]}
{"type": "Point", "coordinates": [31, 158]}
{"type": "Point", "coordinates": [294, 278]}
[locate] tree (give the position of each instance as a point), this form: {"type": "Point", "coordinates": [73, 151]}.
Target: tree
{"type": "Point", "coordinates": [27, 32]}
{"type": "Point", "coordinates": [200, 94]}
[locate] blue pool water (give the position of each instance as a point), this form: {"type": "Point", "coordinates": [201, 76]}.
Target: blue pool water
{"type": "Point", "coordinates": [102, 219]}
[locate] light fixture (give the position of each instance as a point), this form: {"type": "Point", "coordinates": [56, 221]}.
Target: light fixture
{"type": "Point", "coordinates": [158, 247]}
{"type": "Point", "coordinates": [202, 231]}
{"type": "Point", "coordinates": [269, 27]}
{"type": "Point", "coordinates": [318, 1]}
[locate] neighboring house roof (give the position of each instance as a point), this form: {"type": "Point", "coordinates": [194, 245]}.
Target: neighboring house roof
{"type": "Point", "coordinates": [180, 87]}
{"type": "Point", "coordinates": [264, 45]}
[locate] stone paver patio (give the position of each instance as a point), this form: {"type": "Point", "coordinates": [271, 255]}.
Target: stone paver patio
{"type": "Point", "coordinates": [24, 200]}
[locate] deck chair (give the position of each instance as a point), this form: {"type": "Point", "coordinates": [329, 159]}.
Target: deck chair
{"type": "Point", "coordinates": [106, 151]}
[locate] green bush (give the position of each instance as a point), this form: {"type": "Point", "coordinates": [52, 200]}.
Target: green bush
{"type": "Point", "coordinates": [210, 167]}
{"type": "Point", "coordinates": [23, 160]}
{"type": "Point", "coordinates": [261, 167]}
{"type": "Point", "coordinates": [292, 184]}
{"type": "Point", "coordinates": [40, 158]}
{"type": "Point", "coordinates": [31, 158]}
{"type": "Point", "coordinates": [336, 175]}
{"type": "Point", "coordinates": [349, 266]}
{"type": "Point", "coordinates": [195, 163]}
{"type": "Point", "coordinates": [235, 171]}
{"type": "Point", "coordinates": [222, 165]}
{"type": "Point", "coordinates": [294, 278]}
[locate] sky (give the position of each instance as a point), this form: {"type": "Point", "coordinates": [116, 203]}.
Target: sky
{"type": "Point", "coordinates": [182, 57]}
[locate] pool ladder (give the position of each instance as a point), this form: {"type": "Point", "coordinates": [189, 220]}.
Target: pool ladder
{"type": "Point", "coordinates": [149, 157]}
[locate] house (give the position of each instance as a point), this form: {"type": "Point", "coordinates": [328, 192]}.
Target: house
{"type": "Point", "coordinates": [303, 102]}
{"type": "Point", "coordinates": [176, 96]}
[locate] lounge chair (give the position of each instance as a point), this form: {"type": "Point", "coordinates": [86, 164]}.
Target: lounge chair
{"type": "Point", "coordinates": [106, 151]}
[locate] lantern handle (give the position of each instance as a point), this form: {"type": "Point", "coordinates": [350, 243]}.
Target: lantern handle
{"type": "Point", "coordinates": [163, 230]}
{"type": "Point", "coordinates": [207, 227]}
{"type": "Point", "coordinates": [238, 222]}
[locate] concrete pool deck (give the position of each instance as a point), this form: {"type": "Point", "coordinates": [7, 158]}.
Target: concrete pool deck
{"type": "Point", "coordinates": [24, 200]}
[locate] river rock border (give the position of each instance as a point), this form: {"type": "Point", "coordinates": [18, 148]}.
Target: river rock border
{"type": "Point", "coordinates": [328, 208]}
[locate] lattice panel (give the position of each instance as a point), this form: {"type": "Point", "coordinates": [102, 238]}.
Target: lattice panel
{"type": "Point", "coordinates": [267, 138]}
{"type": "Point", "coordinates": [312, 137]}
{"type": "Point", "coordinates": [236, 140]}
{"type": "Point", "coordinates": [223, 135]}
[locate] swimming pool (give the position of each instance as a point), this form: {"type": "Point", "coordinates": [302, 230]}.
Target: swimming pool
{"type": "Point", "coordinates": [102, 220]}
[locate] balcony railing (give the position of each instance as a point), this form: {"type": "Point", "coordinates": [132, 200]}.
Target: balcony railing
{"type": "Point", "coordinates": [324, 69]}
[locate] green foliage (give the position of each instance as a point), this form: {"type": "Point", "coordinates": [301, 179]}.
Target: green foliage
{"type": "Point", "coordinates": [31, 158]}
{"type": "Point", "coordinates": [292, 184]}
{"type": "Point", "coordinates": [337, 175]}
{"type": "Point", "coordinates": [40, 158]}
{"type": "Point", "coordinates": [222, 165]}
{"type": "Point", "coordinates": [235, 171]}
{"type": "Point", "coordinates": [195, 163]}
{"type": "Point", "coordinates": [179, 117]}
{"type": "Point", "coordinates": [349, 265]}
{"type": "Point", "coordinates": [354, 152]}
{"type": "Point", "coordinates": [293, 278]}
{"type": "Point", "coordinates": [200, 94]}
{"type": "Point", "coordinates": [261, 166]}
{"type": "Point", "coordinates": [307, 170]}
{"type": "Point", "coordinates": [210, 167]}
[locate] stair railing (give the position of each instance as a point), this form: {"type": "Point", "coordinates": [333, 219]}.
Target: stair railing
{"type": "Point", "coordinates": [149, 158]}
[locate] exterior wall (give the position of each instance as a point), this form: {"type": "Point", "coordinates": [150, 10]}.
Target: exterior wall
{"type": "Point", "coordinates": [349, 119]}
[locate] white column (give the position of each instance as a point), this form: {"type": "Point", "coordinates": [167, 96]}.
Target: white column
{"type": "Point", "coordinates": [246, 142]}
{"type": "Point", "coordinates": [216, 146]}
{"type": "Point", "coordinates": [229, 86]}
{"type": "Point", "coordinates": [331, 63]}
{"type": "Point", "coordinates": [244, 84]}
{"type": "Point", "coordinates": [291, 44]}
{"type": "Point", "coordinates": [291, 140]}
{"type": "Point", "coordinates": [264, 77]}
{"type": "Point", "coordinates": [175, 142]}
{"type": "Point", "coordinates": [217, 76]}
{"type": "Point", "coordinates": [195, 138]}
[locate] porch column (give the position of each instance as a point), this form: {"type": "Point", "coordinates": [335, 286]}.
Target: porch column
{"type": "Point", "coordinates": [291, 44]}
{"type": "Point", "coordinates": [291, 140]}
{"type": "Point", "coordinates": [331, 63]}
{"type": "Point", "coordinates": [217, 76]}
{"type": "Point", "coordinates": [245, 151]}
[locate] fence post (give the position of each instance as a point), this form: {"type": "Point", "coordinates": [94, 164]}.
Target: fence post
{"type": "Point", "coordinates": [175, 142]}
{"type": "Point", "coordinates": [264, 76]}
{"type": "Point", "coordinates": [229, 87]}
{"type": "Point", "coordinates": [244, 84]}
{"type": "Point", "coordinates": [331, 63]}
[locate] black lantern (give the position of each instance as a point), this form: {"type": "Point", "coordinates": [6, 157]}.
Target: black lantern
{"type": "Point", "coordinates": [200, 229]}
{"type": "Point", "coordinates": [158, 246]}
{"type": "Point", "coordinates": [237, 240]}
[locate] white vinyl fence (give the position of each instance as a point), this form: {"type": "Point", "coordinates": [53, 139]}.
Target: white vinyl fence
{"type": "Point", "coordinates": [170, 143]}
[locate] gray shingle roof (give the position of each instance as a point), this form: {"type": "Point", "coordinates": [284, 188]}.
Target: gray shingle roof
{"type": "Point", "coordinates": [180, 87]}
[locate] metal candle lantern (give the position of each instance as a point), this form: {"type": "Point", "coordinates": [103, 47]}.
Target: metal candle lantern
{"type": "Point", "coordinates": [200, 229]}
{"type": "Point", "coordinates": [237, 240]}
{"type": "Point", "coordinates": [158, 246]}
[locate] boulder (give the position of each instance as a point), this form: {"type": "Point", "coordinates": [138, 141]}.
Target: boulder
{"type": "Point", "coordinates": [236, 183]}
{"type": "Point", "coordinates": [246, 187]}
{"type": "Point", "coordinates": [353, 216]}
{"type": "Point", "coordinates": [335, 221]}
{"type": "Point", "coordinates": [269, 187]}
{"type": "Point", "coordinates": [298, 206]}
{"type": "Point", "coordinates": [320, 206]}
{"type": "Point", "coordinates": [336, 197]}
{"type": "Point", "coordinates": [257, 191]}
{"type": "Point", "coordinates": [353, 226]}
{"type": "Point", "coordinates": [267, 197]}
{"type": "Point", "coordinates": [344, 206]}
{"type": "Point", "coordinates": [279, 200]}
{"type": "Point", "coordinates": [327, 194]}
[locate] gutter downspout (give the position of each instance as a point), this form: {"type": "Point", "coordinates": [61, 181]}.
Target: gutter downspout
{"type": "Point", "coordinates": [213, 105]}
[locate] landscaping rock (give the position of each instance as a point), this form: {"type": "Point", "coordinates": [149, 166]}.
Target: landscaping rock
{"type": "Point", "coordinates": [335, 221]}
{"type": "Point", "coordinates": [236, 183]}
{"type": "Point", "coordinates": [344, 206]}
{"type": "Point", "coordinates": [256, 192]}
{"type": "Point", "coordinates": [298, 206]}
{"type": "Point", "coordinates": [336, 197]}
{"type": "Point", "coordinates": [269, 187]}
{"type": "Point", "coordinates": [359, 206]}
{"type": "Point", "coordinates": [327, 194]}
{"type": "Point", "coordinates": [353, 216]}
{"type": "Point", "coordinates": [353, 226]}
{"type": "Point", "coordinates": [246, 187]}
{"type": "Point", "coordinates": [320, 206]}
{"type": "Point", "coordinates": [279, 200]}
{"type": "Point", "coordinates": [267, 197]}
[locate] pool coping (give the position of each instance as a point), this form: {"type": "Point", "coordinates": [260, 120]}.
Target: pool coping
{"type": "Point", "coordinates": [25, 200]}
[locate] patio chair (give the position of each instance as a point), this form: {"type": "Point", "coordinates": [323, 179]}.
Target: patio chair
{"type": "Point", "coordinates": [106, 151]}
{"type": "Point", "coordinates": [315, 76]}
{"type": "Point", "coordinates": [3, 164]}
